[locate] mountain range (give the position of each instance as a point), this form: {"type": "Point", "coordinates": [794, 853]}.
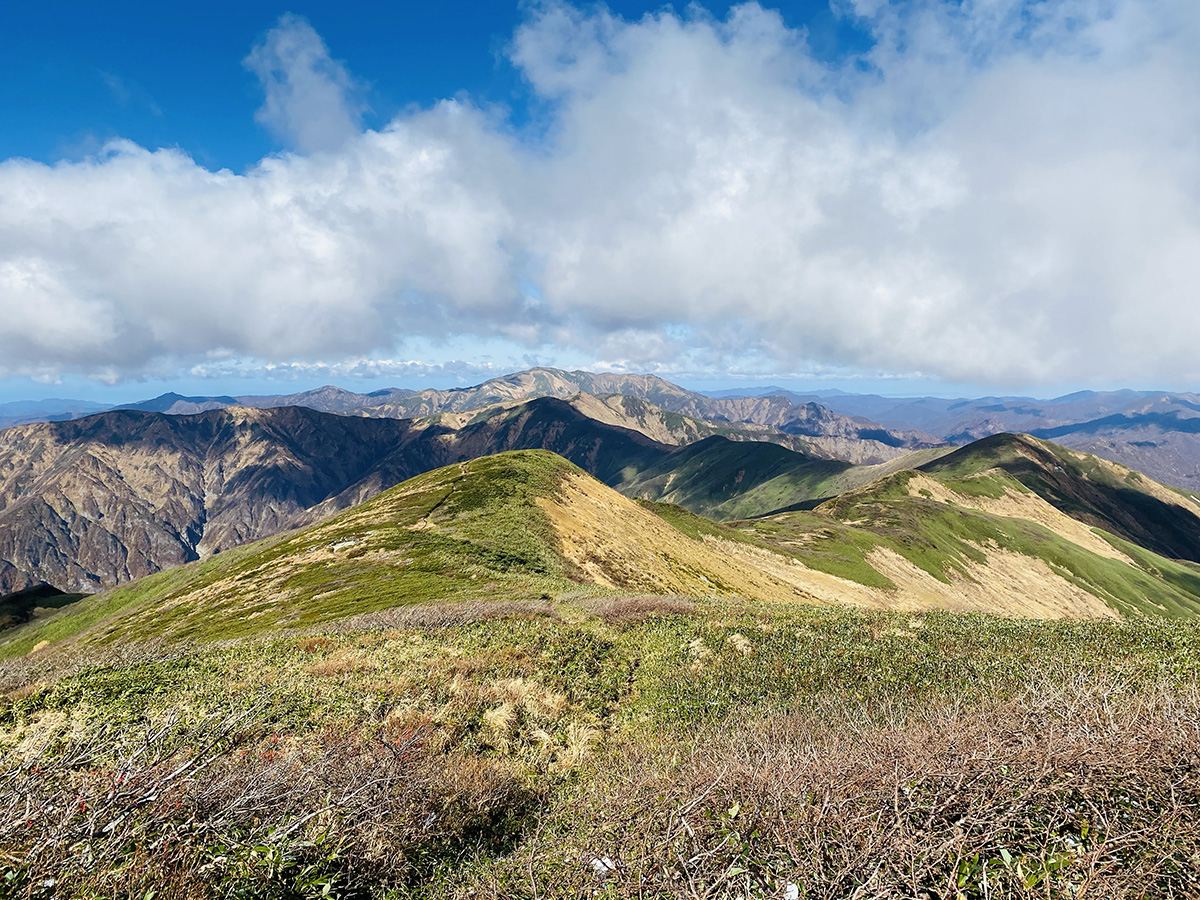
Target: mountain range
{"type": "Point", "coordinates": [1010, 525]}
{"type": "Point", "coordinates": [1155, 432]}
{"type": "Point", "coordinates": [1152, 431]}
{"type": "Point", "coordinates": [95, 502]}
{"type": "Point", "coordinates": [98, 502]}
{"type": "Point", "coordinates": [336, 654]}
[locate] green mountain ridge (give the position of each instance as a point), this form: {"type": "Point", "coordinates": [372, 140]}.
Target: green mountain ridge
{"type": "Point", "coordinates": [522, 525]}
{"type": "Point", "coordinates": [1093, 490]}
{"type": "Point", "coordinates": [489, 679]}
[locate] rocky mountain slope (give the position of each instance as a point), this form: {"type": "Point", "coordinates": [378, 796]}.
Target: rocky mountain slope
{"type": "Point", "coordinates": [676, 429]}
{"type": "Point", "coordinates": [1154, 432]}
{"type": "Point", "coordinates": [659, 409]}
{"type": "Point", "coordinates": [95, 502]}
{"type": "Point", "coordinates": [669, 413]}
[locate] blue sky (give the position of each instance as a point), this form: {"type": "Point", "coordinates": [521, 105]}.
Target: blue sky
{"type": "Point", "coordinates": [992, 196]}
{"type": "Point", "coordinates": [78, 74]}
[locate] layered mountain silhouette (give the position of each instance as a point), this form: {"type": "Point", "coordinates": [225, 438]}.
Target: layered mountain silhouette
{"type": "Point", "coordinates": [93, 503]}
{"type": "Point", "coordinates": [1154, 432]}
{"type": "Point", "coordinates": [806, 426]}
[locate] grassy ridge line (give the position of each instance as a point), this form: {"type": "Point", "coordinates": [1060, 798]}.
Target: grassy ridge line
{"type": "Point", "coordinates": [470, 531]}
{"type": "Point", "coordinates": [475, 532]}
{"type": "Point", "coordinates": [941, 539]}
{"type": "Point", "coordinates": [1095, 491]}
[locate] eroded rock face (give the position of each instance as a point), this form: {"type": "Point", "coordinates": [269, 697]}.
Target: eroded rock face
{"type": "Point", "coordinates": [95, 502]}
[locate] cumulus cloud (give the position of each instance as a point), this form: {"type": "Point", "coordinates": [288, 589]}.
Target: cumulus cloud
{"type": "Point", "coordinates": [311, 101]}
{"type": "Point", "coordinates": [1000, 191]}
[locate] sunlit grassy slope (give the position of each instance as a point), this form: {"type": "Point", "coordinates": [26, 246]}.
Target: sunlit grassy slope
{"type": "Point", "coordinates": [502, 679]}
{"type": "Point", "coordinates": [485, 749]}
{"type": "Point", "coordinates": [529, 525]}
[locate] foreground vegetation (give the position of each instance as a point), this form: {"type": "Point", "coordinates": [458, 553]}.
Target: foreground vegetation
{"type": "Point", "coordinates": [612, 746]}
{"type": "Point", "coordinates": [479, 684]}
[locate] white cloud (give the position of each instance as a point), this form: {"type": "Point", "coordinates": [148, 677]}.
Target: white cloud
{"type": "Point", "coordinates": [999, 191]}
{"type": "Point", "coordinates": [311, 100]}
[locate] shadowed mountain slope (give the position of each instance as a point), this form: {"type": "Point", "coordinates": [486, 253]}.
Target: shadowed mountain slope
{"type": "Point", "coordinates": [726, 479]}
{"type": "Point", "coordinates": [1092, 490]}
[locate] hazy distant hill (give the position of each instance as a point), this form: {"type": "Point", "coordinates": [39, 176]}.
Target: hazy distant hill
{"type": "Point", "coordinates": [178, 405]}
{"type": "Point", "coordinates": [1152, 431]}
{"type": "Point", "coordinates": [325, 399]}
{"type": "Point", "coordinates": [22, 412]}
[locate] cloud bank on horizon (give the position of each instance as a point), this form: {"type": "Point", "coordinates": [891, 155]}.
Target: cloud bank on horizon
{"type": "Point", "coordinates": [997, 191]}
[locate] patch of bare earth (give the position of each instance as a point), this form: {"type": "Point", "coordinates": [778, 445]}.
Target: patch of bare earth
{"type": "Point", "coordinates": [1008, 584]}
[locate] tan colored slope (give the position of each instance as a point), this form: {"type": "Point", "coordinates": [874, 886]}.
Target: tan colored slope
{"type": "Point", "coordinates": [1020, 505]}
{"type": "Point", "coordinates": [618, 544]}
{"type": "Point", "coordinates": [651, 421]}
{"type": "Point", "coordinates": [1008, 584]}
